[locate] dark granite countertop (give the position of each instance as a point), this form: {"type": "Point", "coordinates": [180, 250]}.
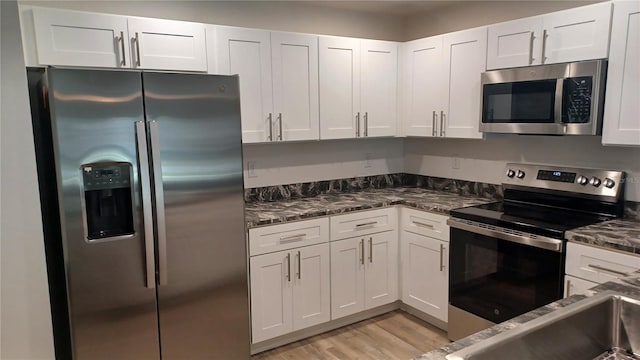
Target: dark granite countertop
{"type": "Point", "coordinates": [273, 212]}
{"type": "Point", "coordinates": [619, 234]}
{"type": "Point", "coordinates": [629, 285]}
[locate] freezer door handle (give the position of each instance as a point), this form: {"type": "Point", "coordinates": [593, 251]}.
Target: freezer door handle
{"type": "Point", "coordinates": [145, 181]}
{"type": "Point", "coordinates": [154, 133]}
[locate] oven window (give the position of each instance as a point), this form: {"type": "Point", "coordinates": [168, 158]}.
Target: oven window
{"type": "Point", "coordinates": [498, 279]}
{"type": "Point", "coordinates": [519, 102]}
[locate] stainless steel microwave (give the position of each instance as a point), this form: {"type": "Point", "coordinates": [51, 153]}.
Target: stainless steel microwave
{"type": "Point", "coordinates": [557, 99]}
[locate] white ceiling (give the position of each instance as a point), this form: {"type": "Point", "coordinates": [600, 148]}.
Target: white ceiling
{"type": "Point", "coordinates": [388, 7]}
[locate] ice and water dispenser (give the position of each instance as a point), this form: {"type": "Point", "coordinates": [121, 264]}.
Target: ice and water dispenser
{"type": "Point", "coordinates": [108, 202]}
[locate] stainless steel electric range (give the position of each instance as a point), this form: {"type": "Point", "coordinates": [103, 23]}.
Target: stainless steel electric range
{"type": "Point", "coordinates": [507, 258]}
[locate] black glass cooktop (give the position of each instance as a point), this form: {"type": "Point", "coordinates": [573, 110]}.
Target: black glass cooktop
{"type": "Point", "coordinates": [535, 219]}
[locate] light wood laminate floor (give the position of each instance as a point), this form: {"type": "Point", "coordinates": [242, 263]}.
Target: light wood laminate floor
{"type": "Point", "coordinates": [395, 335]}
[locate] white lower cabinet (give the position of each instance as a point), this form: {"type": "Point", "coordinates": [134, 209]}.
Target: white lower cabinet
{"type": "Point", "coordinates": [364, 273]}
{"type": "Point", "coordinates": [424, 259]}
{"type": "Point", "coordinates": [576, 286]}
{"type": "Point", "coordinates": [289, 291]}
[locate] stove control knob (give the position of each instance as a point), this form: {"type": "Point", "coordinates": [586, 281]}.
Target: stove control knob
{"type": "Point", "coordinates": [520, 174]}
{"type": "Point", "coordinates": [511, 173]}
{"type": "Point", "coordinates": [582, 180]}
{"type": "Point", "coordinates": [609, 183]}
{"type": "Point", "coordinates": [595, 181]}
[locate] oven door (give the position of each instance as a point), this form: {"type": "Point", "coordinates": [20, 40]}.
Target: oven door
{"type": "Point", "coordinates": [498, 279]}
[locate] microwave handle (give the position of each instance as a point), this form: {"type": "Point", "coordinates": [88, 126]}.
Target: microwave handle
{"type": "Point", "coordinates": [558, 101]}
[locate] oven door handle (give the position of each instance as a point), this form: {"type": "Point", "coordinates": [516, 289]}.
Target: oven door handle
{"type": "Point", "coordinates": [523, 238]}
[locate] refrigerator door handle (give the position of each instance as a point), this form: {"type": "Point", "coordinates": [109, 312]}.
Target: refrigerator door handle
{"type": "Point", "coordinates": [154, 136]}
{"type": "Point", "coordinates": [145, 181]}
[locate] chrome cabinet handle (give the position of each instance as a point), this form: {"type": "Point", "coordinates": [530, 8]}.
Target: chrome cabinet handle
{"type": "Point", "coordinates": [289, 267]}
{"type": "Point", "coordinates": [145, 181]}
{"type": "Point", "coordinates": [358, 124]}
{"type": "Point", "coordinates": [362, 251]}
{"type": "Point", "coordinates": [299, 266]}
{"type": "Point", "coordinates": [270, 118]}
{"type": "Point", "coordinates": [435, 118]}
{"type": "Point", "coordinates": [441, 257]}
{"type": "Point", "coordinates": [442, 131]}
{"type": "Point", "coordinates": [531, 58]}
{"type": "Point", "coordinates": [428, 226]}
{"type": "Point", "coordinates": [137, 50]}
{"type": "Point", "coordinates": [292, 237]}
{"type": "Point", "coordinates": [544, 45]}
{"type": "Point", "coordinates": [370, 250]}
{"type": "Point", "coordinates": [568, 288]}
{"type": "Point", "coordinates": [124, 61]}
{"type": "Point", "coordinates": [280, 126]}
{"type": "Point", "coordinates": [366, 124]}
{"type": "Point", "coordinates": [366, 224]}
{"type": "Point", "coordinates": [598, 267]}
{"type": "Point", "coordinates": [154, 131]}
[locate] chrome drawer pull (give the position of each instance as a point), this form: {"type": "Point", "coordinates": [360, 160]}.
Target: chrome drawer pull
{"type": "Point", "coordinates": [370, 250]}
{"type": "Point", "coordinates": [295, 237]}
{"type": "Point", "coordinates": [568, 288]}
{"type": "Point", "coordinates": [362, 251]}
{"type": "Point", "coordinates": [366, 224]}
{"type": "Point", "coordinates": [428, 226]}
{"type": "Point", "coordinates": [598, 267]}
{"type": "Point", "coordinates": [441, 257]}
{"type": "Point", "coordinates": [289, 267]}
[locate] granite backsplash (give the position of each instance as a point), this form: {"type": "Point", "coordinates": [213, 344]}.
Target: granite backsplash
{"type": "Point", "coordinates": [460, 187]}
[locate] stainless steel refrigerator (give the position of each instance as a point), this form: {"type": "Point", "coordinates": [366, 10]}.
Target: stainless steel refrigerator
{"type": "Point", "coordinates": [141, 181]}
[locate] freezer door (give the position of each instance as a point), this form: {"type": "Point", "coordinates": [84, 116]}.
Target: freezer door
{"type": "Point", "coordinates": [195, 140]}
{"type": "Point", "coordinates": [111, 304]}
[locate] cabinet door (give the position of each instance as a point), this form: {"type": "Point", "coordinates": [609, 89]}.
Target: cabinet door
{"type": "Point", "coordinates": [424, 86]}
{"type": "Point", "coordinates": [347, 277]}
{"type": "Point", "coordinates": [464, 61]}
{"type": "Point", "coordinates": [80, 39]}
{"type": "Point", "coordinates": [379, 83]}
{"type": "Point", "coordinates": [247, 53]}
{"type": "Point", "coordinates": [271, 295]}
{"type": "Point", "coordinates": [167, 44]}
{"type": "Point", "coordinates": [621, 124]}
{"type": "Point", "coordinates": [295, 86]}
{"type": "Point", "coordinates": [577, 34]}
{"type": "Point", "coordinates": [311, 290]}
{"type": "Point", "coordinates": [339, 87]}
{"type": "Point", "coordinates": [381, 269]}
{"type": "Point", "coordinates": [576, 286]}
{"type": "Point", "coordinates": [515, 43]}
{"type": "Point", "coordinates": [425, 274]}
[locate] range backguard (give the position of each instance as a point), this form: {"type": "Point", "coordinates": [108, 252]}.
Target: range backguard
{"type": "Point", "coordinates": [107, 200]}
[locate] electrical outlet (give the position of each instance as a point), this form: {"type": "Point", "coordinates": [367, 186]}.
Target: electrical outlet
{"type": "Point", "coordinates": [367, 160]}
{"type": "Point", "coordinates": [251, 169]}
{"type": "Point", "coordinates": [455, 163]}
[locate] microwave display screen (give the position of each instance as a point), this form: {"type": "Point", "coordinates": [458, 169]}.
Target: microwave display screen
{"type": "Point", "coordinates": [519, 102]}
{"type": "Point", "coordinates": [554, 175]}
{"type": "Point", "coordinates": [576, 99]}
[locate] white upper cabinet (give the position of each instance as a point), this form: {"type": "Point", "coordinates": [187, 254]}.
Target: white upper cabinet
{"type": "Point", "coordinates": [73, 38]}
{"type": "Point", "coordinates": [339, 87]}
{"type": "Point", "coordinates": [570, 35]}
{"type": "Point", "coordinates": [621, 124]}
{"type": "Point", "coordinates": [378, 90]}
{"type": "Point", "coordinates": [81, 39]}
{"type": "Point", "coordinates": [167, 44]}
{"type": "Point", "coordinates": [247, 53]}
{"type": "Point", "coordinates": [294, 60]}
{"type": "Point", "coordinates": [278, 82]}
{"type": "Point", "coordinates": [442, 84]}
{"type": "Point", "coordinates": [358, 88]}
{"type": "Point", "coordinates": [464, 61]}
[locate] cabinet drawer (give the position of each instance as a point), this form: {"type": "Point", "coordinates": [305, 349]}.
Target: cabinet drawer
{"type": "Point", "coordinates": [288, 236]}
{"type": "Point", "coordinates": [363, 223]}
{"type": "Point", "coordinates": [599, 265]}
{"type": "Point", "coordinates": [425, 223]}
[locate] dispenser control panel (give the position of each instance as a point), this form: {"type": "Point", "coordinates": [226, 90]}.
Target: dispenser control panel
{"type": "Point", "coordinates": [107, 176]}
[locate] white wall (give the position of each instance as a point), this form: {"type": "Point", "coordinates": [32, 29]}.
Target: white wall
{"type": "Point", "coordinates": [485, 161]}
{"type": "Point", "coordinates": [25, 332]}
{"type": "Point", "coordinates": [289, 163]}
{"type": "Point", "coordinates": [468, 14]}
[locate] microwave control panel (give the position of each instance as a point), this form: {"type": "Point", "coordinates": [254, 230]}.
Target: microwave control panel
{"type": "Point", "coordinates": [576, 99]}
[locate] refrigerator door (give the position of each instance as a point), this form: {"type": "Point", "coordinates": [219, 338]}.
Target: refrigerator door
{"type": "Point", "coordinates": [195, 141]}
{"type": "Point", "coordinates": [111, 304]}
